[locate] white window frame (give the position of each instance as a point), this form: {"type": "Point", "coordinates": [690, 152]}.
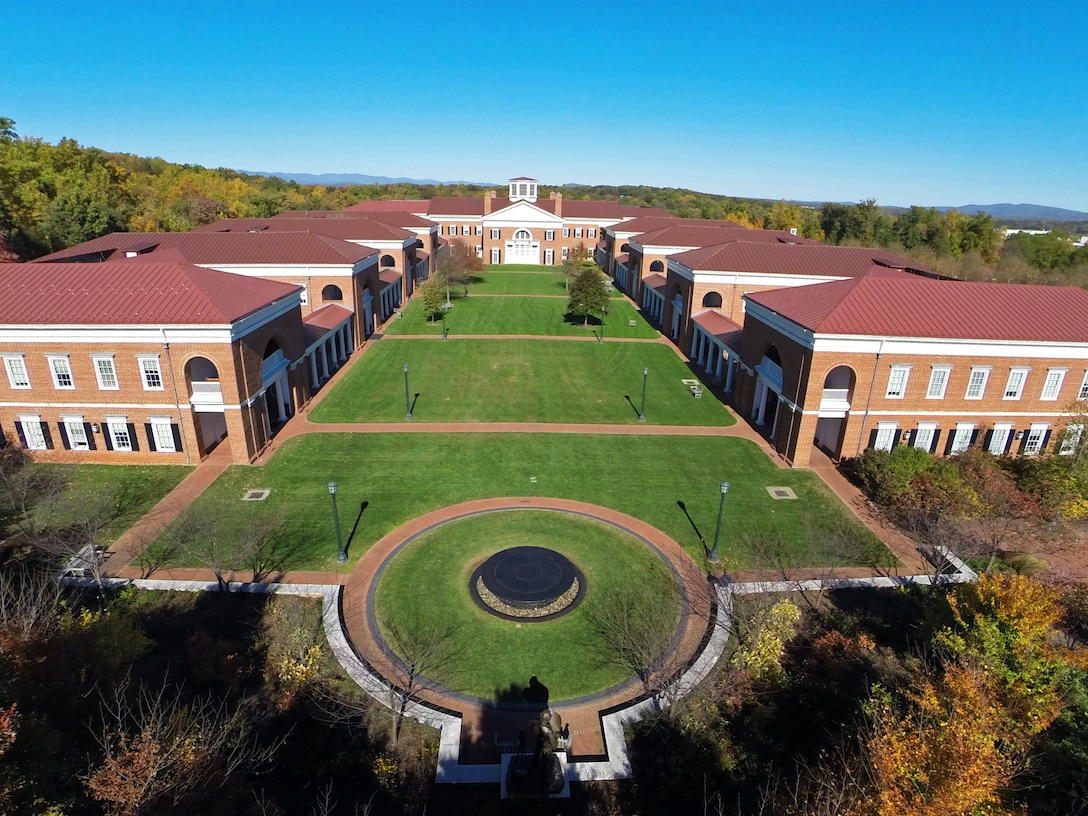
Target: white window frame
{"type": "Point", "coordinates": [549, 235]}
{"type": "Point", "coordinates": [979, 375]}
{"type": "Point", "coordinates": [75, 423]}
{"type": "Point", "coordinates": [897, 389]}
{"type": "Point", "coordinates": [495, 234]}
{"type": "Point", "coordinates": [466, 230]}
{"type": "Point", "coordinates": [938, 382]}
{"type": "Point", "coordinates": [564, 252]}
{"type": "Point", "coordinates": [304, 295]}
{"type": "Point", "coordinates": [97, 360]}
{"type": "Point", "coordinates": [143, 360]}
{"type": "Point", "coordinates": [495, 257]}
{"type": "Point", "coordinates": [479, 230]}
{"type": "Point", "coordinates": [549, 257]}
{"type": "Point", "coordinates": [1033, 442]}
{"type": "Point", "coordinates": [162, 432]}
{"type": "Point", "coordinates": [925, 432]}
{"type": "Point", "coordinates": [1071, 439]}
{"type": "Point", "coordinates": [35, 439]}
{"type": "Point", "coordinates": [577, 232]}
{"type": "Point", "coordinates": [1082, 392]}
{"type": "Point", "coordinates": [885, 436]}
{"type": "Point", "coordinates": [1052, 385]}
{"type": "Point", "coordinates": [115, 426]}
{"type": "Point", "coordinates": [961, 437]}
{"type": "Point", "coordinates": [60, 367]}
{"type": "Point", "coordinates": [1000, 432]}
{"type": "Point", "coordinates": [18, 374]}
{"type": "Point", "coordinates": [1014, 389]}
{"type": "Point", "coordinates": [591, 233]}
{"type": "Point", "coordinates": [566, 232]}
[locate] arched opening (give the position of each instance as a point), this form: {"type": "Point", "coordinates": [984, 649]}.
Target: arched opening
{"type": "Point", "coordinates": [656, 266]}
{"type": "Point", "coordinates": [277, 391]}
{"type": "Point", "coordinates": [712, 300]}
{"type": "Point", "coordinates": [523, 235]}
{"type": "Point", "coordinates": [206, 402]}
{"type": "Point", "coordinates": [388, 261]}
{"type": "Point", "coordinates": [625, 248]}
{"type": "Point", "coordinates": [768, 390]}
{"type": "Point", "coordinates": [835, 400]}
{"type": "Point", "coordinates": [332, 292]}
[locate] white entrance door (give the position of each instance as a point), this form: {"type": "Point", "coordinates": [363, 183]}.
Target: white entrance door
{"type": "Point", "coordinates": [523, 249]}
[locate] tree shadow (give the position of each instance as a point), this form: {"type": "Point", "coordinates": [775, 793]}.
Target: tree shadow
{"type": "Point", "coordinates": [580, 320]}
{"type": "Point", "coordinates": [506, 722]}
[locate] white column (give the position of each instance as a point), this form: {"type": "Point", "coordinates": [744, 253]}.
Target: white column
{"type": "Point", "coordinates": [281, 389]}
{"type": "Point", "coordinates": [718, 366]}
{"type": "Point", "coordinates": [761, 407]}
{"type": "Point", "coordinates": [728, 374]}
{"type": "Point", "coordinates": [351, 338]}
{"type": "Point", "coordinates": [324, 360]}
{"type": "Point", "coordinates": [314, 380]}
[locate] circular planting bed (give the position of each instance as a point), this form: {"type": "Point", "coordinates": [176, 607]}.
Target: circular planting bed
{"type": "Point", "coordinates": [428, 613]}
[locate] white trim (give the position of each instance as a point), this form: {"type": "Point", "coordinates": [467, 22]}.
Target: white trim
{"type": "Point", "coordinates": [148, 358]}
{"type": "Point", "coordinates": [985, 372]}
{"type": "Point", "coordinates": [924, 431]}
{"type": "Point", "coordinates": [1005, 431]}
{"type": "Point", "coordinates": [157, 423]}
{"type": "Point", "coordinates": [1014, 390]}
{"type": "Point", "coordinates": [34, 421]}
{"type": "Point", "coordinates": [102, 376]}
{"type": "Point", "coordinates": [61, 357]}
{"type": "Point", "coordinates": [1055, 378]}
{"type": "Point", "coordinates": [885, 436]}
{"type": "Point", "coordinates": [9, 361]}
{"type": "Point", "coordinates": [115, 425]}
{"type": "Point", "coordinates": [961, 437]}
{"type": "Point", "coordinates": [69, 421]}
{"type": "Point", "coordinates": [946, 374]}
{"type": "Point", "coordinates": [898, 369]}
{"type": "Point", "coordinates": [1033, 440]}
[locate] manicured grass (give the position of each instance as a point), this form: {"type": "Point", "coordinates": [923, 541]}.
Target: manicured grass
{"type": "Point", "coordinates": [517, 315]}
{"type": "Point", "coordinates": [464, 380]}
{"type": "Point", "coordinates": [484, 655]}
{"type": "Point", "coordinates": [531, 281]}
{"type": "Point", "coordinates": [402, 476]}
{"type": "Point", "coordinates": [116, 494]}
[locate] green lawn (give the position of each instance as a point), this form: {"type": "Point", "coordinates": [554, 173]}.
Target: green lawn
{"type": "Point", "coordinates": [465, 380]}
{"type": "Point", "coordinates": [117, 495]}
{"type": "Point", "coordinates": [487, 656]}
{"type": "Point", "coordinates": [530, 281]}
{"type": "Point", "coordinates": [401, 476]}
{"type": "Point", "coordinates": [521, 315]}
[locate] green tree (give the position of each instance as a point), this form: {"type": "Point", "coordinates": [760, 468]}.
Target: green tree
{"type": "Point", "coordinates": [785, 215]}
{"type": "Point", "coordinates": [432, 294]}
{"type": "Point", "coordinates": [588, 294]}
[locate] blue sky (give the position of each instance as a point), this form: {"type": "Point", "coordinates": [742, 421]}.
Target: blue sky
{"type": "Point", "coordinates": [936, 103]}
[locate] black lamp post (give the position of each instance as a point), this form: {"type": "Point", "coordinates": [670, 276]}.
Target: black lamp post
{"type": "Point", "coordinates": [407, 399]}
{"type": "Point", "coordinates": [341, 553]}
{"type": "Point", "coordinates": [642, 413]}
{"type": "Point", "coordinates": [444, 335]}
{"type": "Point", "coordinates": [714, 554]}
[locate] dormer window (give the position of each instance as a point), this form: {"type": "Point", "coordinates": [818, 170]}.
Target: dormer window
{"type": "Point", "coordinates": [523, 189]}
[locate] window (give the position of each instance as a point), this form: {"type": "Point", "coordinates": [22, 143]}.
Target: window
{"type": "Point", "coordinates": [76, 432]}
{"type": "Point", "coordinates": [897, 381]}
{"type": "Point", "coordinates": [304, 295]}
{"type": "Point", "coordinates": [479, 229]}
{"type": "Point", "coordinates": [938, 381]}
{"type": "Point", "coordinates": [106, 373]}
{"type": "Point", "coordinates": [33, 432]}
{"type": "Point", "coordinates": [1053, 383]}
{"type": "Point", "coordinates": [119, 433]}
{"type": "Point", "coordinates": [495, 234]}
{"type": "Point", "coordinates": [151, 373]}
{"type": "Point", "coordinates": [976, 385]}
{"type": "Point", "coordinates": [549, 235]}
{"type": "Point", "coordinates": [162, 433]}
{"type": "Point", "coordinates": [495, 255]}
{"type": "Point", "coordinates": [1033, 443]}
{"type": "Point", "coordinates": [566, 232]}
{"type": "Point", "coordinates": [564, 252]}
{"type": "Point", "coordinates": [549, 257]}
{"type": "Point", "coordinates": [16, 368]}
{"type": "Point", "coordinates": [1071, 439]}
{"type": "Point", "coordinates": [885, 436]}
{"type": "Point", "coordinates": [591, 233]}
{"type": "Point", "coordinates": [577, 232]}
{"type": "Point", "coordinates": [961, 437]}
{"type": "Point", "coordinates": [923, 437]}
{"type": "Point", "coordinates": [999, 438]}
{"type": "Point", "coordinates": [1015, 386]}
{"type": "Point", "coordinates": [61, 371]}
{"type": "Point", "coordinates": [466, 230]}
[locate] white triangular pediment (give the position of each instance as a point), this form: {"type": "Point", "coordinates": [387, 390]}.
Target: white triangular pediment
{"type": "Point", "coordinates": [522, 213]}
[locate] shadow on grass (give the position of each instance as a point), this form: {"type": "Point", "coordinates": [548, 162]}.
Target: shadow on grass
{"type": "Point", "coordinates": [633, 406]}
{"type": "Point", "coordinates": [580, 320]}
{"type": "Point", "coordinates": [506, 723]}
{"type": "Point", "coordinates": [355, 526]}
{"type": "Point", "coordinates": [683, 507]}
{"type": "Point", "coordinates": [415, 399]}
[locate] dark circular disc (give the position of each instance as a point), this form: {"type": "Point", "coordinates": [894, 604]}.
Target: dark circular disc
{"type": "Point", "coordinates": [528, 577]}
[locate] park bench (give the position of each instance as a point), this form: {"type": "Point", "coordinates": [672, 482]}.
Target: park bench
{"type": "Point", "coordinates": [695, 387]}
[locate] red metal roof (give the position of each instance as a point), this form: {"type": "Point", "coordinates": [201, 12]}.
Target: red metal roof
{"type": "Point", "coordinates": [572, 208]}
{"type": "Point", "coordinates": [789, 259]}
{"type": "Point", "coordinates": [684, 234]}
{"type": "Point", "coordinates": [137, 291]}
{"type": "Point", "coordinates": [895, 305]}
{"type": "Point", "coordinates": [389, 205]}
{"type": "Point", "coordinates": [346, 229]}
{"type": "Point", "coordinates": [328, 317]}
{"type": "Point", "coordinates": [654, 281]}
{"type": "Point", "coordinates": [389, 276]}
{"type": "Point", "coordinates": [721, 327]}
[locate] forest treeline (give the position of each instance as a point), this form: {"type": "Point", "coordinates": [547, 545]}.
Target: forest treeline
{"type": "Point", "coordinates": [56, 195]}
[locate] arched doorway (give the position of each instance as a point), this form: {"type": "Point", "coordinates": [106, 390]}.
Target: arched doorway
{"type": "Point", "coordinates": [332, 292]}
{"type": "Point", "coordinates": [523, 248]}
{"type": "Point", "coordinates": [206, 403]}
{"type": "Point", "coordinates": [388, 262]}
{"type": "Point", "coordinates": [835, 401]}
{"type": "Point", "coordinates": [712, 300]}
{"type": "Point", "coordinates": [657, 267]}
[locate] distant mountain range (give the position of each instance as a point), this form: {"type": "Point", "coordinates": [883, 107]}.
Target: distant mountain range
{"type": "Point", "coordinates": [1017, 211]}
{"type": "Point", "coordinates": [344, 179]}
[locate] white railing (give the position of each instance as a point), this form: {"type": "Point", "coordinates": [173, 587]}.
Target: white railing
{"type": "Point", "coordinates": [836, 394]}
{"type": "Point", "coordinates": [207, 388]}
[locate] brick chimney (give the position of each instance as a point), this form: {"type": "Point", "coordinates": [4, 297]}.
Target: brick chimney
{"type": "Point", "coordinates": [558, 203]}
{"type": "Point", "coordinates": [489, 199]}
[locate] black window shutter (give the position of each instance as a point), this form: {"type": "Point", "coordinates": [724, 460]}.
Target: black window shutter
{"type": "Point", "coordinates": [1009, 440]}
{"type": "Point", "coordinates": [132, 437]}
{"type": "Point", "coordinates": [948, 444]}
{"type": "Point", "coordinates": [988, 439]}
{"type": "Point", "coordinates": [3, 438]}
{"type": "Point", "coordinates": [19, 431]}
{"type": "Point", "coordinates": [107, 437]}
{"type": "Point", "coordinates": [64, 441]}
{"type": "Point", "coordinates": [1023, 441]}
{"type": "Point", "coordinates": [177, 437]}
{"type": "Point", "coordinates": [872, 438]}
{"type": "Point", "coordinates": [974, 437]}
{"type": "Point", "coordinates": [895, 438]}
{"type": "Point", "coordinates": [89, 431]}
{"type": "Point", "coordinates": [150, 437]}
{"type": "Point", "coordinates": [1046, 438]}
{"type": "Point", "coordinates": [936, 438]}
{"type": "Point", "coordinates": [47, 436]}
